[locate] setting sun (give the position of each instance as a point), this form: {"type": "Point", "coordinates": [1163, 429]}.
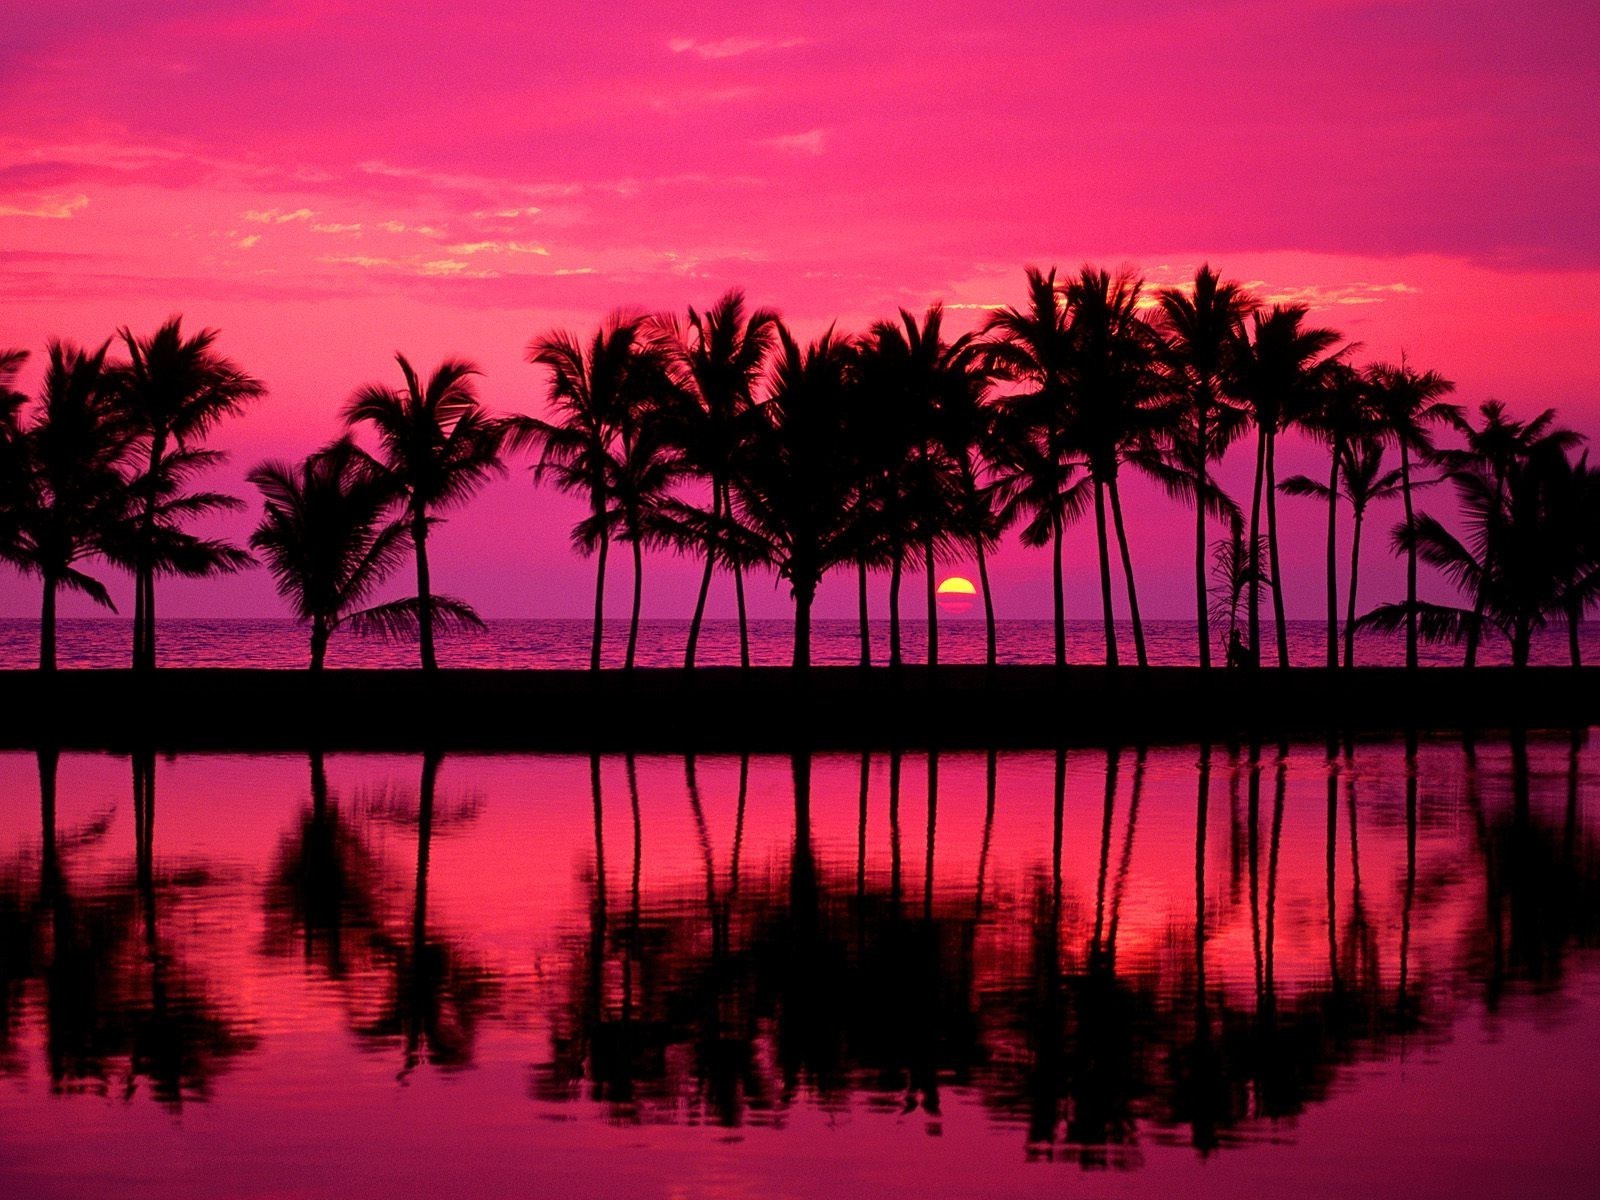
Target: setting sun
{"type": "Point", "coordinates": [955, 594]}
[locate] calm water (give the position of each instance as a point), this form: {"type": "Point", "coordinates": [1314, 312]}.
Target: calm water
{"type": "Point", "coordinates": [241, 642]}
{"type": "Point", "coordinates": [1143, 973]}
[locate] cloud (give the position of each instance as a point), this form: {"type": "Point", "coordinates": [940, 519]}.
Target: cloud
{"type": "Point", "coordinates": [812, 141]}
{"type": "Point", "coordinates": [498, 248]}
{"type": "Point", "coordinates": [277, 216]}
{"type": "Point", "coordinates": [49, 208]}
{"type": "Point", "coordinates": [732, 47]}
{"type": "Point", "coordinates": [336, 228]}
{"type": "Point", "coordinates": [245, 243]}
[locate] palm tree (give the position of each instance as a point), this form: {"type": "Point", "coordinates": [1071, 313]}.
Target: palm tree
{"type": "Point", "coordinates": [1339, 416]}
{"type": "Point", "coordinates": [1118, 406]}
{"type": "Point", "coordinates": [172, 391]}
{"type": "Point", "coordinates": [1492, 447]}
{"type": "Point", "coordinates": [1233, 568]}
{"type": "Point", "coordinates": [641, 472]}
{"type": "Point", "coordinates": [1407, 403]}
{"type": "Point", "coordinates": [1031, 346]}
{"type": "Point", "coordinates": [13, 476]}
{"type": "Point", "coordinates": [795, 493]}
{"type": "Point", "coordinates": [1277, 374]}
{"type": "Point", "coordinates": [437, 445]}
{"type": "Point", "coordinates": [595, 392]}
{"type": "Point", "coordinates": [74, 495]}
{"type": "Point", "coordinates": [1203, 327]}
{"type": "Point", "coordinates": [328, 540]}
{"type": "Point", "coordinates": [716, 357]}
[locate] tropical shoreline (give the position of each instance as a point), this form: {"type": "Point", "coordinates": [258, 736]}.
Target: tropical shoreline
{"type": "Point", "coordinates": [772, 709]}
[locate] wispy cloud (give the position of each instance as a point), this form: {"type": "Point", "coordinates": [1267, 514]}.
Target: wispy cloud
{"type": "Point", "coordinates": [277, 216]}
{"type": "Point", "coordinates": [812, 141]}
{"type": "Point", "coordinates": [49, 208]}
{"type": "Point", "coordinates": [733, 47]}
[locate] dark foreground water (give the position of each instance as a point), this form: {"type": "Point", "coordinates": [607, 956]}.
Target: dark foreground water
{"type": "Point", "coordinates": [1166, 973]}
{"type": "Point", "coordinates": [257, 642]}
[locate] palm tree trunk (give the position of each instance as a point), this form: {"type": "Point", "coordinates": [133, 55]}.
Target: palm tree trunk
{"type": "Point", "coordinates": [138, 616]}
{"type": "Point", "coordinates": [149, 660]}
{"type": "Point", "coordinates": [1411, 559]}
{"type": "Point", "coordinates": [1475, 630]}
{"type": "Point", "coordinates": [1279, 624]}
{"type": "Point", "coordinates": [933, 605]}
{"type": "Point", "coordinates": [1254, 550]}
{"type": "Point", "coordinates": [1202, 617]}
{"type": "Point", "coordinates": [894, 612]}
{"type": "Point", "coordinates": [861, 602]}
{"type": "Point", "coordinates": [638, 593]}
{"type": "Point", "coordinates": [738, 590]}
{"type": "Point", "coordinates": [1350, 606]}
{"type": "Point", "coordinates": [319, 643]}
{"type": "Point", "coordinates": [802, 627]}
{"type": "Point", "coordinates": [419, 537]}
{"type": "Point", "coordinates": [1105, 573]}
{"type": "Point", "coordinates": [988, 602]}
{"type": "Point", "coordinates": [599, 602]}
{"type": "Point", "coordinates": [699, 615]}
{"type": "Point", "coordinates": [1574, 621]}
{"type": "Point", "coordinates": [1127, 571]}
{"type": "Point", "coordinates": [1333, 570]}
{"type": "Point", "coordinates": [47, 626]}
{"type": "Point", "coordinates": [1060, 596]}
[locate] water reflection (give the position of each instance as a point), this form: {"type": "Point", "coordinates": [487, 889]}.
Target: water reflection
{"type": "Point", "coordinates": [740, 938]}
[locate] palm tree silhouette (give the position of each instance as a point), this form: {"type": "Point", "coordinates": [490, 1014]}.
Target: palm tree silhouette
{"type": "Point", "coordinates": [599, 395]}
{"type": "Point", "coordinates": [795, 494]}
{"type": "Point", "coordinates": [1406, 403]}
{"type": "Point", "coordinates": [1031, 347]}
{"type": "Point", "coordinates": [716, 359]}
{"type": "Point", "coordinates": [437, 445]}
{"type": "Point", "coordinates": [1203, 327]}
{"type": "Point", "coordinates": [328, 541]}
{"type": "Point", "coordinates": [73, 495]}
{"type": "Point", "coordinates": [1492, 447]}
{"type": "Point", "coordinates": [1277, 376]}
{"type": "Point", "coordinates": [1118, 405]}
{"type": "Point", "coordinates": [172, 392]}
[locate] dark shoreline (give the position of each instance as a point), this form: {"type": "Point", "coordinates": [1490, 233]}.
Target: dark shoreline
{"type": "Point", "coordinates": [770, 708]}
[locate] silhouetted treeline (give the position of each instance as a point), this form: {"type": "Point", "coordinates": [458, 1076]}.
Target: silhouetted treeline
{"type": "Point", "coordinates": [719, 435]}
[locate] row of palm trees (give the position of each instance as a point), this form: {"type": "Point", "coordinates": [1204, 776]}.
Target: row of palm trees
{"type": "Point", "coordinates": [722, 436]}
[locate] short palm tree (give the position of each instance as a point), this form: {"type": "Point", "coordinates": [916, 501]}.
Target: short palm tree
{"type": "Point", "coordinates": [74, 494]}
{"type": "Point", "coordinates": [795, 493]}
{"type": "Point", "coordinates": [1277, 375]}
{"type": "Point", "coordinates": [172, 392]}
{"type": "Point", "coordinates": [437, 445]}
{"type": "Point", "coordinates": [596, 392]}
{"type": "Point", "coordinates": [716, 358]}
{"type": "Point", "coordinates": [1406, 403]}
{"type": "Point", "coordinates": [328, 538]}
{"type": "Point", "coordinates": [1203, 326]}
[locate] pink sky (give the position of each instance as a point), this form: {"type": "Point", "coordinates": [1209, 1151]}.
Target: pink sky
{"type": "Point", "coordinates": [330, 182]}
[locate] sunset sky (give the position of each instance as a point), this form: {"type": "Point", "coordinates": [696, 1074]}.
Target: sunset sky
{"type": "Point", "coordinates": [330, 182]}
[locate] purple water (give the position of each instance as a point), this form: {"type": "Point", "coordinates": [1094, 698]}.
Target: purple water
{"type": "Point", "coordinates": [256, 642]}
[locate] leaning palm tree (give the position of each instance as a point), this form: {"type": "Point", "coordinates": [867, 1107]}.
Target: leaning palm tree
{"type": "Point", "coordinates": [1277, 375]}
{"type": "Point", "coordinates": [1406, 403]}
{"type": "Point", "coordinates": [437, 445]}
{"type": "Point", "coordinates": [595, 391]}
{"type": "Point", "coordinates": [794, 492]}
{"type": "Point", "coordinates": [328, 539]}
{"type": "Point", "coordinates": [1490, 449]}
{"type": "Point", "coordinates": [716, 358]}
{"type": "Point", "coordinates": [73, 493]}
{"type": "Point", "coordinates": [1203, 326]}
{"type": "Point", "coordinates": [172, 392]}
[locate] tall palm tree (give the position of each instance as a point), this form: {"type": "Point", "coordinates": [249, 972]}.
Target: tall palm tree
{"type": "Point", "coordinates": [437, 445]}
{"type": "Point", "coordinates": [595, 391]}
{"type": "Point", "coordinates": [1277, 375]}
{"type": "Point", "coordinates": [13, 475]}
{"type": "Point", "coordinates": [1031, 347]}
{"type": "Point", "coordinates": [716, 358]}
{"type": "Point", "coordinates": [795, 493]}
{"type": "Point", "coordinates": [1407, 403]}
{"type": "Point", "coordinates": [328, 540]}
{"type": "Point", "coordinates": [1118, 405]}
{"type": "Point", "coordinates": [173, 391]}
{"type": "Point", "coordinates": [74, 494]}
{"type": "Point", "coordinates": [1491, 447]}
{"type": "Point", "coordinates": [1203, 326]}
